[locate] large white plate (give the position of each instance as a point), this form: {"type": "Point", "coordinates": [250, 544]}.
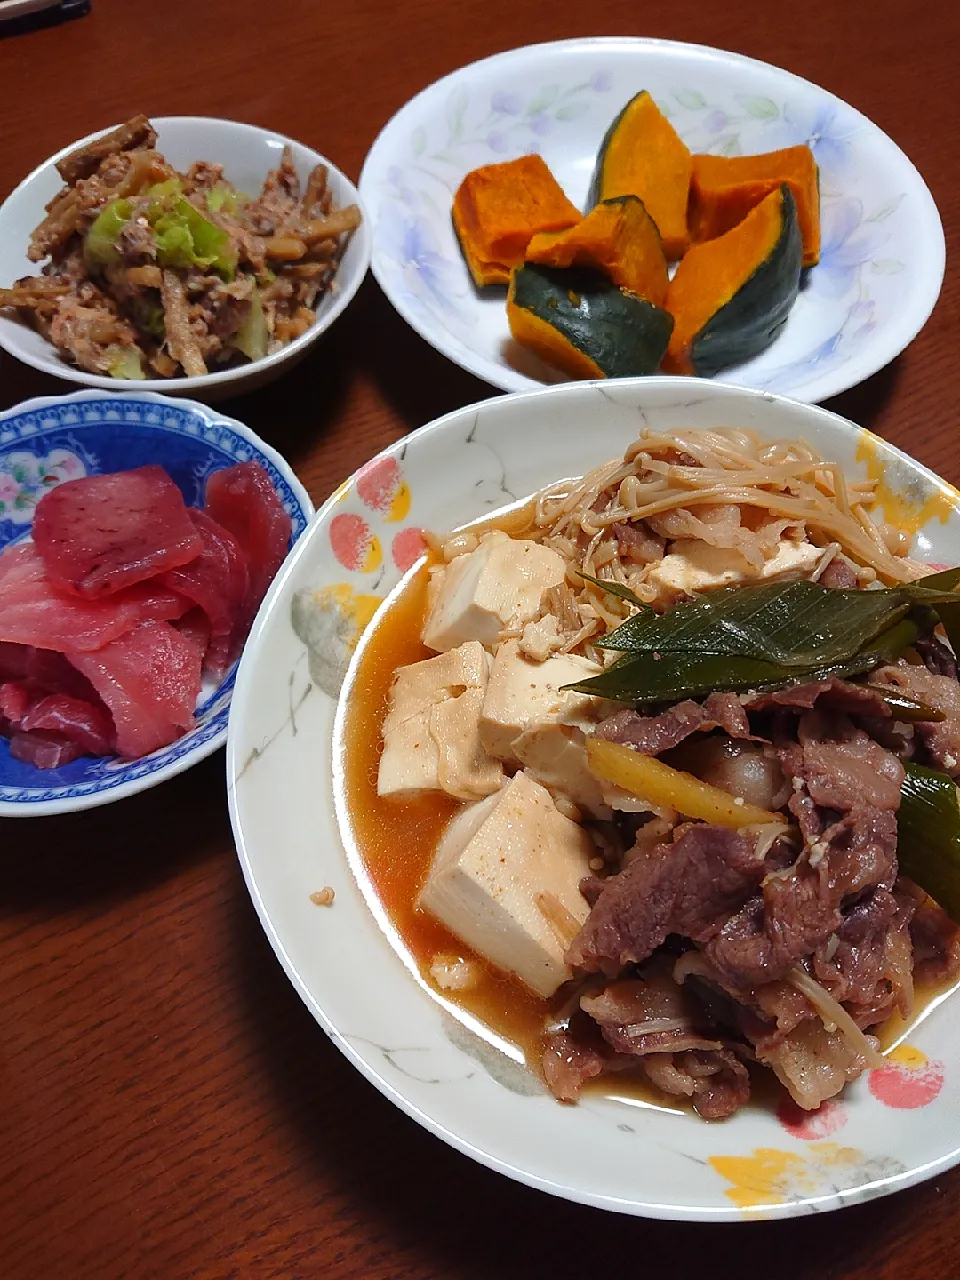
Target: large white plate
{"type": "Point", "coordinates": [883, 250]}
{"type": "Point", "coordinates": [891, 1129]}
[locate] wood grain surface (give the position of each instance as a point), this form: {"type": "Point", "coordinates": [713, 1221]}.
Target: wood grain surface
{"type": "Point", "coordinates": [168, 1107]}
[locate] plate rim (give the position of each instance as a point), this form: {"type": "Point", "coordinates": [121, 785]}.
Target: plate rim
{"type": "Point", "coordinates": [364, 1062]}
{"type": "Point", "coordinates": [509, 380]}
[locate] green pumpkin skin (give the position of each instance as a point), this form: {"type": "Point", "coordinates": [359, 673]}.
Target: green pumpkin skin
{"type": "Point", "coordinates": [754, 316]}
{"type": "Point", "coordinates": [622, 334]}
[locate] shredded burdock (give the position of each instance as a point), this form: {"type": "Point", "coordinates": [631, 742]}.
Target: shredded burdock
{"type": "Point", "coordinates": [152, 273]}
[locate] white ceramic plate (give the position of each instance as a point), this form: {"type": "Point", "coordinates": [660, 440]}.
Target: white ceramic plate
{"type": "Point", "coordinates": [892, 1128]}
{"type": "Point", "coordinates": [883, 250]}
{"type": "Point", "coordinates": [247, 154]}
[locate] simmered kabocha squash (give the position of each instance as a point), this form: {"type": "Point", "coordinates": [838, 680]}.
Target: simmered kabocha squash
{"type": "Point", "coordinates": [619, 238]}
{"type": "Point", "coordinates": [582, 323]}
{"type": "Point", "coordinates": [724, 189]}
{"type": "Point", "coordinates": [642, 155]}
{"type": "Point", "coordinates": [500, 207]}
{"type": "Point", "coordinates": [731, 296]}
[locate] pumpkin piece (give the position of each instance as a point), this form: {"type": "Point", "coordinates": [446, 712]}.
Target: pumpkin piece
{"type": "Point", "coordinates": [724, 189]}
{"type": "Point", "coordinates": [500, 207]}
{"type": "Point", "coordinates": [578, 321]}
{"type": "Point", "coordinates": [617, 237]}
{"type": "Point", "coordinates": [643, 155]}
{"type": "Point", "coordinates": [730, 297]}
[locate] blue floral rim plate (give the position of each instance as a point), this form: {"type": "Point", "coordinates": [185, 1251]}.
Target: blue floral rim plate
{"type": "Point", "coordinates": [882, 257]}
{"type": "Point", "coordinates": [46, 441]}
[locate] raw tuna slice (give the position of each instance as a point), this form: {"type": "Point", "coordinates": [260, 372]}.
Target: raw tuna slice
{"type": "Point", "coordinates": [50, 672]}
{"type": "Point", "coordinates": [84, 723]}
{"type": "Point", "coordinates": [101, 533]}
{"type": "Point", "coordinates": [150, 680]}
{"type": "Point", "coordinates": [34, 612]}
{"type": "Point", "coordinates": [13, 660]}
{"type": "Point", "coordinates": [243, 500]}
{"type": "Point", "coordinates": [44, 750]}
{"type": "Point", "coordinates": [195, 627]}
{"type": "Point", "coordinates": [218, 581]}
{"type": "Point", "coordinates": [15, 699]}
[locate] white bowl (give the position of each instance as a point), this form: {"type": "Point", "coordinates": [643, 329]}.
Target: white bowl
{"type": "Point", "coordinates": [53, 438]}
{"type": "Point", "coordinates": [247, 154]}
{"type": "Point", "coordinates": [883, 249]}
{"type": "Point", "coordinates": [283, 766]}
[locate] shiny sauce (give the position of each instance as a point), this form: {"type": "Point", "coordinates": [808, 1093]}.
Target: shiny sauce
{"type": "Point", "coordinates": [397, 840]}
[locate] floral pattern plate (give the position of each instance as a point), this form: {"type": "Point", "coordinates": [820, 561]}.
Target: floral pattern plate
{"type": "Point", "coordinates": [882, 258]}
{"type": "Point", "coordinates": [46, 441]}
{"type": "Point", "coordinates": [894, 1127]}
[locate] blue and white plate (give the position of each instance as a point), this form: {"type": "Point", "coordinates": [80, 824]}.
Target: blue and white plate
{"type": "Point", "coordinates": [45, 441]}
{"type": "Point", "coordinates": [882, 256]}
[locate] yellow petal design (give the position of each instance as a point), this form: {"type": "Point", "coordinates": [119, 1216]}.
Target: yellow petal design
{"type": "Point", "coordinates": [400, 506]}
{"type": "Point", "coordinates": [914, 501]}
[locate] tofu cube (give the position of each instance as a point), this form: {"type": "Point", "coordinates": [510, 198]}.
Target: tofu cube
{"type": "Point", "coordinates": [522, 693]}
{"type": "Point", "coordinates": [431, 735]}
{"type": "Point", "coordinates": [555, 755]}
{"type": "Point", "coordinates": [505, 880]}
{"type": "Point", "coordinates": [694, 566]}
{"type": "Point", "coordinates": [478, 595]}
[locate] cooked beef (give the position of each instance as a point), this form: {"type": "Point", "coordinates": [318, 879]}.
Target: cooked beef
{"type": "Point", "coordinates": [689, 888]}
{"type": "Point", "coordinates": [833, 694]}
{"type": "Point", "coordinates": [941, 739]}
{"type": "Point", "coordinates": [137, 132]}
{"type": "Point", "coordinates": [771, 932]}
{"type": "Point", "coordinates": [813, 1063]}
{"type": "Point", "coordinates": [715, 1080]}
{"type": "Point", "coordinates": [935, 938]}
{"type": "Point", "coordinates": [937, 657]}
{"type": "Point", "coordinates": [651, 1014]}
{"type": "Point", "coordinates": [839, 573]}
{"type": "Point", "coordinates": [567, 1063]}
{"type": "Point", "coordinates": [637, 544]}
{"type": "Point", "coordinates": [652, 735]}
{"type": "Point", "coordinates": [867, 965]}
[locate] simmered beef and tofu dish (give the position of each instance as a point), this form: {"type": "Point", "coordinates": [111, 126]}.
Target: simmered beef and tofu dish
{"type": "Point", "coordinates": [665, 780]}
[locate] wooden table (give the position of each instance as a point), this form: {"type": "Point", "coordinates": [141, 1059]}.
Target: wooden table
{"type": "Point", "coordinates": [167, 1105]}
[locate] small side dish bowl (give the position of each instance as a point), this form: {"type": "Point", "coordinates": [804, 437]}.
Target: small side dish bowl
{"type": "Point", "coordinates": [882, 251]}
{"type": "Point", "coordinates": [247, 154]}
{"type": "Point", "coordinates": [45, 441]}
{"type": "Point", "coordinates": [893, 1127]}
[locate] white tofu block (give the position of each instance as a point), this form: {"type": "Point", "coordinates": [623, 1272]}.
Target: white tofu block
{"type": "Point", "coordinates": [431, 735]}
{"type": "Point", "coordinates": [694, 566]}
{"type": "Point", "coordinates": [522, 693]}
{"type": "Point", "coordinates": [555, 755]}
{"type": "Point", "coordinates": [505, 880]}
{"type": "Point", "coordinates": [499, 585]}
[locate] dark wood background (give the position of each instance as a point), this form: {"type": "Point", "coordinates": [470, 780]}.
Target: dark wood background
{"type": "Point", "coordinates": [167, 1106]}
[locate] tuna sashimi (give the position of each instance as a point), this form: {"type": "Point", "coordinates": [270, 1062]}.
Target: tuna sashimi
{"type": "Point", "coordinates": [15, 699]}
{"type": "Point", "coordinates": [218, 581]}
{"type": "Point", "coordinates": [13, 660]}
{"type": "Point", "coordinates": [101, 533]}
{"type": "Point", "coordinates": [149, 679]}
{"type": "Point", "coordinates": [84, 723]}
{"type": "Point", "coordinates": [43, 750]}
{"type": "Point", "coordinates": [34, 612]}
{"type": "Point", "coordinates": [50, 672]}
{"type": "Point", "coordinates": [244, 501]}
{"type": "Point", "coordinates": [195, 627]}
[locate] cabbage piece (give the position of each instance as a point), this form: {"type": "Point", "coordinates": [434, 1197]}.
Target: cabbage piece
{"type": "Point", "coordinates": [253, 337]}
{"type": "Point", "coordinates": [185, 238]}
{"type": "Point", "coordinates": [100, 245]}
{"type": "Point", "coordinates": [124, 362]}
{"type": "Point", "coordinates": [225, 199]}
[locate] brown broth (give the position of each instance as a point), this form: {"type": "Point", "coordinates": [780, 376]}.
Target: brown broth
{"type": "Point", "coordinates": [397, 840]}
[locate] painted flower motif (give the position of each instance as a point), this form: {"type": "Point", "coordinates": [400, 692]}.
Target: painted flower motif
{"type": "Point", "coordinates": [506, 104]}
{"type": "Point", "coordinates": [330, 623]}
{"type": "Point", "coordinates": [823, 128]}
{"type": "Point", "coordinates": [497, 141]}
{"type": "Point", "coordinates": [771, 1177]}
{"type": "Point", "coordinates": [353, 543]}
{"type": "Point", "coordinates": [382, 488]}
{"type": "Point", "coordinates": [602, 82]}
{"type": "Point", "coordinates": [809, 1126]}
{"type": "Point", "coordinates": [846, 245]}
{"type": "Point", "coordinates": [716, 121]}
{"type": "Point", "coordinates": [412, 245]}
{"type": "Point", "coordinates": [541, 123]}
{"type": "Point", "coordinates": [407, 548]}
{"type": "Point", "coordinates": [25, 478]}
{"type": "Point", "coordinates": [908, 1081]}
